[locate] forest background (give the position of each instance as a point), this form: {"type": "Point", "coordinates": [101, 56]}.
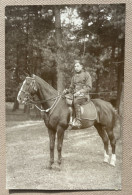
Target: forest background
{"type": "Point", "coordinates": [46, 40]}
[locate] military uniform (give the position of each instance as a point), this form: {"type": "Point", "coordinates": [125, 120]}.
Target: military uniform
{"type": "Point", "coordinates": [81, 83]}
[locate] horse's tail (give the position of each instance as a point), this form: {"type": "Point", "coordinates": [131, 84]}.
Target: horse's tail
{"type": "Point", "coordinates": [116, 125]}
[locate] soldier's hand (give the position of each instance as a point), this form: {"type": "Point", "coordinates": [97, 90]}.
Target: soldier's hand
{"type": "Point", "coordinates": [77, 93]}
{"type": "Point", "coordinates": [65, 91]}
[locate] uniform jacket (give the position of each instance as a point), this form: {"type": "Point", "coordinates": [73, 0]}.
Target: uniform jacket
{"type": "Point", "coordinates": [81, 82]}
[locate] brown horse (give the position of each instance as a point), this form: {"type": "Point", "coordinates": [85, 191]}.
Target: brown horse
{"type": "Point", "coordinates": [57, 116]}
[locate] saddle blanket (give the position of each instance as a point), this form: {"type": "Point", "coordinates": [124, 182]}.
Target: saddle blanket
{"type": "Point", "coordinates": [88, 111]}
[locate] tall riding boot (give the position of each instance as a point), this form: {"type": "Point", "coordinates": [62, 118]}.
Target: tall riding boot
{"type": "Point", "coordinates": [70, 122]}
{"type": "Point", "coordinates": [78, 116]}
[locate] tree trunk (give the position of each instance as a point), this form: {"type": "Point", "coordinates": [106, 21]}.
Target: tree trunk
{"type": "Point", "coordinates": [59, 56]}
{"type": "Point", "coordinates": [120, 72]}
{"type": "Point", "coordinates": [121, 102]}
{"type": "Point", "coordinates": [119, 86]}
{"type": "Point", "coordinates": [15, 105]}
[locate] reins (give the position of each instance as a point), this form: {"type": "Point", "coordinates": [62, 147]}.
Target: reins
{"type": "Point", "coordinates": [57, 99]}
{"type": "Point", "coordinates": [43, 101]}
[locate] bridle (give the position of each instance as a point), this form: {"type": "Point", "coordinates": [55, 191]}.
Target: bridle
{"type": "Point", "coordinates": [26, 92]}
{"type": "Point", "coordinates": [30, 101]}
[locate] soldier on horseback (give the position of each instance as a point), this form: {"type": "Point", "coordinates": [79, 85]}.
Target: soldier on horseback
{"type": "Point", "coordinates": [81, 84]}
{"type": "Point", "coordinates": [98, 113]}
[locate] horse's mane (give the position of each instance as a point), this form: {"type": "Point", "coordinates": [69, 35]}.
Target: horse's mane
{"type": "Point", "coordinates": [43, 82]}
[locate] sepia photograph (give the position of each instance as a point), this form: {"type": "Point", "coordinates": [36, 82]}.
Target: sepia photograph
{"type": "Point", "coordinates": [64, 96]}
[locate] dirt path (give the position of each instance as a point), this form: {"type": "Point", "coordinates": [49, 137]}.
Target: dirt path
{"type": "Point", "coordinates": [82, 166]}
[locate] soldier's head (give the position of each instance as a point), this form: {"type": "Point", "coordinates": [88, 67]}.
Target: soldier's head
{"type": "Point", "coordinates": [78, 66]}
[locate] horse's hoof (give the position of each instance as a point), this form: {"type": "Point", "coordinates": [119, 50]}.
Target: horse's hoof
{"type": "Point", "coordinates": [58, 167]}
{"type": "Point", "coordinates": [49, 166]}
{"type": "Point", "coordinates": [106, 158]}
{"type": "Point", "coordinates": [106, 161]}
{"type": "Point", "coordinates": [113, 160]}
{"type": "Point", "coordinates": [112, 163]}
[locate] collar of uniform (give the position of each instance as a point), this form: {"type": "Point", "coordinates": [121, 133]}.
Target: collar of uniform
{"type": "Point", "coordinates": [77, 73]}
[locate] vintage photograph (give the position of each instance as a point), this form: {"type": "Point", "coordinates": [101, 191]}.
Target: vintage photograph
{"type": "Point", "coordinates": [64, 92]}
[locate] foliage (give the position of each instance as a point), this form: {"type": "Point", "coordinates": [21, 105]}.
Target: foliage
{"type": "Point", "coordinates": [93, 33]}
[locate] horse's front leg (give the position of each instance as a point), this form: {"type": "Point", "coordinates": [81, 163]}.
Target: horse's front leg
{"type": "Point", "coordinates": [52, 145]}
{"type": "Point", "coordinates": [60, 136]}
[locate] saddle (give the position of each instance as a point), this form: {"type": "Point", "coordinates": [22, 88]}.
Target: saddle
{"type": "Point", "coordinates": [88, 110]}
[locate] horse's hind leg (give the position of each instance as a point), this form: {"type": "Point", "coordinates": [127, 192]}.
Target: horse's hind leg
{"type": "Point", "coordinates": [113, 145]}
{"type": "Point", "coordinates": [105, 140]}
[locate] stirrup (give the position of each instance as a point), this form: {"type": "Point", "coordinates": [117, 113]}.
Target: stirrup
{"type": "Point", "coordinates": [77, 123]}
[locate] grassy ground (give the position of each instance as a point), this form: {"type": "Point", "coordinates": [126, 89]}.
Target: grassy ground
{"type": "Point", "coordinates": [82, 166]}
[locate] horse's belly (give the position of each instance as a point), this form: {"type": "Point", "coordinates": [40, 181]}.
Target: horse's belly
{"type": "Point", "coordinates": [87, 123]}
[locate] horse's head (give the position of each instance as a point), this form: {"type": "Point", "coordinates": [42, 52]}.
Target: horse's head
{"type": "Point", "coordinates": [27, 90]}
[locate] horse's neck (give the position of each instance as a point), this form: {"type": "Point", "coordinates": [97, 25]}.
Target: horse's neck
{"type": "Point", "coordinates": [45, 92]}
